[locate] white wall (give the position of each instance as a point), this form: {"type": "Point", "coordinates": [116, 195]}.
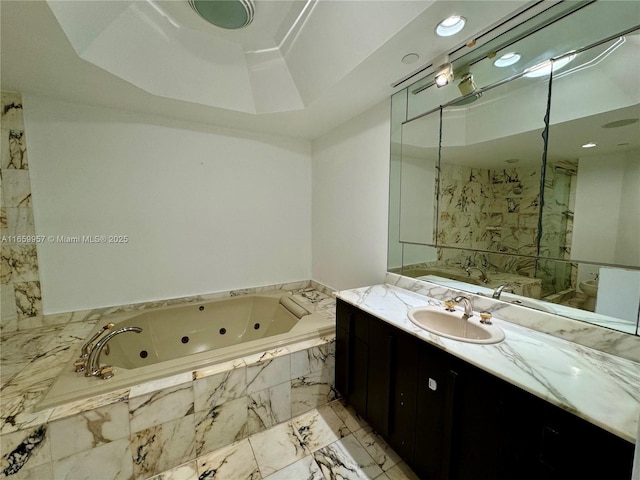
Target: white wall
{"type": "Point", "coordinates": [607, 219]}
{"type": "Point", "coordinates": [350, 198]}
{"type": "Point", "coordinates": [204, 209]}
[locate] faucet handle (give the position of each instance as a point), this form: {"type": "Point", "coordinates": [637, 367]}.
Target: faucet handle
{"type": "Point", "coordinates": [485, 317]}
{"type": "Point", "coordinates": [450, 305]}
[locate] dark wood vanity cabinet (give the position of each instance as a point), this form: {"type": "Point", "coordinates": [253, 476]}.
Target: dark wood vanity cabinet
{"type": "Point", "coordinates": [451, 420]}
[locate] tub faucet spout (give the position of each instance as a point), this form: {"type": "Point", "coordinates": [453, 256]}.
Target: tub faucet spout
{"type": "Point", "coordinates": [498, 291]}
{"type": "Point", "coordinates": [93, 363]}
{"type": "Point", "coordinates": [483, 275]}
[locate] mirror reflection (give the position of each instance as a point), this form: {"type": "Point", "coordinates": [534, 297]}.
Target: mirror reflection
{"type": "Point", "coordinates": [554, 229]}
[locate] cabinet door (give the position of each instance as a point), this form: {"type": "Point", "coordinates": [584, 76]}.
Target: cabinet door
{"type": "Point", "coordinates": [352, 356]}
{"type": "Point", "coordinates": [404, 387]}
{"type": "Point", "coordinates": [571, 447]}
{"type": "Point", "coordinates": [478, 425]}
{"type": "Point", "coordinates": [381, 341]}
{"type": "Point", "coordinates": [434, 413]}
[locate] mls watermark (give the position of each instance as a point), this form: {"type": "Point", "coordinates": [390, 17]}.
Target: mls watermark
{"type": "Point", "coordinates": [82, 239]}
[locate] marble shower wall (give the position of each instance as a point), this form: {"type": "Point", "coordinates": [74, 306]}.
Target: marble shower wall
{"type": "Point", "coordinates": [489, 209]}
{"type": "Point", "coordinates": [21, 300]}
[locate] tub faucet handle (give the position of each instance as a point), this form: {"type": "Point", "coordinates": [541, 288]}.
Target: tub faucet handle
{"type": "Point", "coordinates": [80, 364]}
{"type": "Point", "coordinates": [93, 363]}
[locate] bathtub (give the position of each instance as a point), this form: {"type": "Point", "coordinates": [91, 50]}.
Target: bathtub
{"type": "Point", "coordinates": [190, 337]}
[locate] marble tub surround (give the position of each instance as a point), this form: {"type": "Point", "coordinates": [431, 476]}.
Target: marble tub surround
{"type": "Point", "coordinates": [325, 443]}
{"type": "Point", "coordinates": [32, 359]}
{"type": "Point", "coordinates": [601, 388]}
{"type": "Point", "coordinates": [20, 297]}
{"type": "Point", "coordinates": [587, 334]}
{"type": "Point", "coordinates": [145, 430]}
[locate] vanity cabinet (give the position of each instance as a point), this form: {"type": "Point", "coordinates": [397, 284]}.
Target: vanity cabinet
{"type": "Point", "coordinates": [451, 420]}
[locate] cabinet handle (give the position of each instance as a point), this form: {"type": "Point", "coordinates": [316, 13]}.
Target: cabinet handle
{"type": "Point", "coordinates": [448, 422]}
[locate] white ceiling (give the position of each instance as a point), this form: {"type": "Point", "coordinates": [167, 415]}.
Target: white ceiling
{"type": "Point", "coordinates": [300, 69]}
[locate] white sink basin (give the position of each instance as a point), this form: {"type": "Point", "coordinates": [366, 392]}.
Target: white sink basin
{"type": "Point", "coordinates": [451, 325]}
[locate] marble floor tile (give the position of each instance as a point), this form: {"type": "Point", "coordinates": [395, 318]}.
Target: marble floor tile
{"type": "Point", "coordinates": [188, 471]}
{"type": "Point", "coordinates": [401, 471]}
{"type": "Point", "coordinates": [379, 450]}
{"type": "Point", "coordinates": [347, 459]}
{"type": "Point", "coordinates": [348, 415]}
{"type": "Point", "coordinates": [277, 448]}
{"type": "Point", "coordinates": [320, 427]}
{"type": "Point", "coordinates": [234, 462]}
{"type": "Point", "coordinates": [280, 453]}
{"type": "Point", "coordinates": [305, 468]}
{"type": "Point", "coordinates": [311, 391]}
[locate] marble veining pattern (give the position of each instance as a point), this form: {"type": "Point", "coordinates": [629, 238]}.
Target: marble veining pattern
{"type": "Point", "coordinates": [582, 333]}
{"type": "Point", "coordinates": [568, 375]}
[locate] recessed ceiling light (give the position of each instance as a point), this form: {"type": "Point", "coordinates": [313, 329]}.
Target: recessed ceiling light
{"type": "Point", "coordinates": [450, 25]}
{"type": "Point", "coordinates": [589, 145]}
{"type": "Point", "coordinates": [410, 58]}
{"type": "Point", "coordinates": [507, 59]}
{"type": "Point", "coordinates": [544, 69]}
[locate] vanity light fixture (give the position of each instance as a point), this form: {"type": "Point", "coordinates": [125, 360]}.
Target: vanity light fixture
{"type": "Point", "coordinates": [450, 26]}
{"type": "Point", "coordinates": [589, 145]}
{"type": "Point", "coordinates": [229, 14]}
{"type": "Point", "coordinates": [507, 59]}
{"type": "Point", "coordinates": [444, 75]}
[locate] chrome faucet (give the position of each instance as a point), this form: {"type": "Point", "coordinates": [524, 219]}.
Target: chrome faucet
{"type": "Point", "coordinates": [81, 363]}
{"type": "Point", "coordinates": [498, 291]}
{"type": "Point", "coordinates": [468, 307]}
{"type": "Point", "coordinates": [93, 368]}
{"type": "Point", "coordinates": [483, 275]}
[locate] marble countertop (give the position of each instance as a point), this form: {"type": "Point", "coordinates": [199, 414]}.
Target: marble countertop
{"type": "Point", "coordinates": [599, 387]}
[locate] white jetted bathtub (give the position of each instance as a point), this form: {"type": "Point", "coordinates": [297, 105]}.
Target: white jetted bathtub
{"type": "Point", "coordinates": [189, 337]}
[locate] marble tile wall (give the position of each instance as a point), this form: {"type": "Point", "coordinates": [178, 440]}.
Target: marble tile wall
{"type": "Point", "coordinates": [155, 427]}
{"type": "Point", "coordinates": [489, 209]}
{"type": "Point", "coordinates": [20, 297]}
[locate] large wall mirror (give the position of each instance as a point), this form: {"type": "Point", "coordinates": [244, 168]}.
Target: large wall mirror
{"type": "Point", "coordinates": [532, 180]}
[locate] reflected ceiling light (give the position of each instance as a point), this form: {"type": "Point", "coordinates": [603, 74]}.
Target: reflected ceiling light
{"type": "Point", "coordinates": [507, 59]}
{"type": "Point", "coordinates": [450, 25]}
{"type": "Point", "coordinates": [544, 69]}
{"type": "Point", "coordinates": [230, 14]}
{"type": "Point", "coordinates": [467, 85]}
{"type": "Point", "coordinates": [621, 123]}
{"type": "Point", "coordinates": [444, 75]}
{"type": "Point", "coordinates": [512, 160]}
{"type": "Point", "coordinates": [589, 145]}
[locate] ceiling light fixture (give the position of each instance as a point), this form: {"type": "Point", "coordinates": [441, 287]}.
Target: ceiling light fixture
{"type": "Point", "coordinates": [444, 75]}
{"type": "Point", "coordinates": [545, 68]}
{"type": "Point", "coordinates": [410, 58]}
{"type": "Point", "coordinates": [229, 14]}
{"type": "Point", "coordinates": [450, 25]}
{"type": "Point", "coordinates": [589, 145]}
{"type": "Point", "coordinates": [507, 59]}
